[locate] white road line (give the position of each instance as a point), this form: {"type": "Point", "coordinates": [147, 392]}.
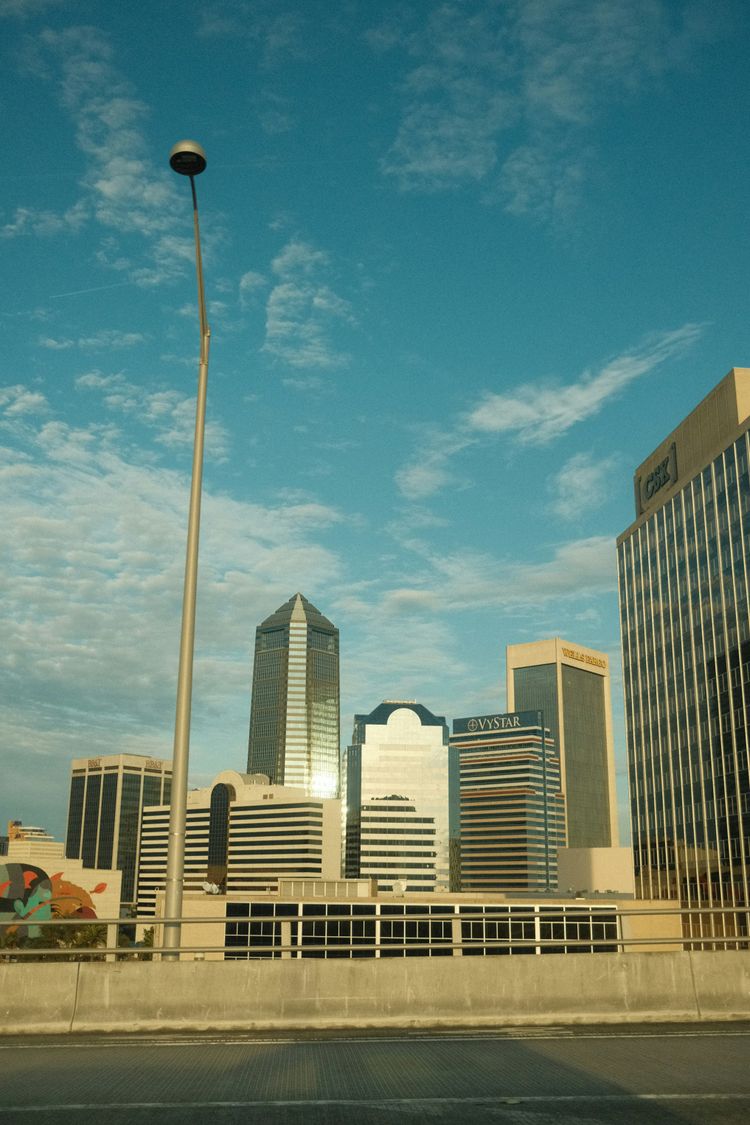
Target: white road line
{"type": "Point", "coordinates": [208, 1040]}
{"type": "Point", "coordinates": [505, 1099]}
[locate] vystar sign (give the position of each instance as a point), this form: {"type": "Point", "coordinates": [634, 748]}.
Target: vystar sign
{"type": "Point", "coordinates": [511, 720]}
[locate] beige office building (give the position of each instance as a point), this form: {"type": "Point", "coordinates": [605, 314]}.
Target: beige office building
{"type": "Point", "coordinates": [570, 684]}
{"type": "Point", "coordinates": [684, 580]}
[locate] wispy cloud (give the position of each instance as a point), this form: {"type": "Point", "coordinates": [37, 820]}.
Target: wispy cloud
{"type": "Point", "coordinates": [302, 309]}
{"type": "Point", "coordinates": [479, 74]}
{"type": "Point", "coordinates": [23, 9]}
{"type": "Point", "coordinates": [581, 485]}
{"type": "Point", "coordinates": [251, 284]}
{"type": "Point", "coordinates": [18, 400]}
{"type": "Point", "coordinates": [278, 33]}
{"type": "Point", "coordinates": [107, 338]}
{"type": "Point", "coordinates": [430, 469]}
{"type": "Point", "coordinates": [90, 598]}
{"type": "Point", "coordinates": [168, 412]}
{"type": "Point", "coordinates": [29, 220]}
{"type": "Point", "coordinates": [121, 191]}
{"type": "Point", "coordinates": [537, 412]}
{"type": "Point", "coordinates": [470, 580]}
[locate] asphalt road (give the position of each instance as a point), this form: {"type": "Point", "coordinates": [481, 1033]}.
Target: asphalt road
{"type": "Point", "coordinates": [533, 1076]}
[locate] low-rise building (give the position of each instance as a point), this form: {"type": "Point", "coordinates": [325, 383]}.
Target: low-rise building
{"type": "Point", "coordinates": [350, 919]}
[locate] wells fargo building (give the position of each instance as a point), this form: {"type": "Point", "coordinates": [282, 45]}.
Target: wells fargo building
{"type": "Point", "coordinates": [684, 573]}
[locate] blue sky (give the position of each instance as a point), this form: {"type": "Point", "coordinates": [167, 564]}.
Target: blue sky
{"type": "Point", "coordinates": [467, 264]}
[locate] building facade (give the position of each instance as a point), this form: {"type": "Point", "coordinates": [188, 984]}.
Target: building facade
{"type": "Point", "coordinates": [350, 919]}
{"type": "Point", "coordinates": [107, 795]}
{"type": "Point", "coordinates": [242, 834]}
{"type": "Point", "coordinates": [570, 685]}
{"type": "Point", "coordinates": [294, 715]}
{"type": "Point", "coordinates": [684, 570]}
{"type": "Point", "coordinates": [512, 807]}
{"type": "Point", "coordinates": [401, 786]}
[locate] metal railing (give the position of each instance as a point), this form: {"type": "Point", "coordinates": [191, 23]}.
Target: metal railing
{"type": "Point", "coordinates": [349, 932]}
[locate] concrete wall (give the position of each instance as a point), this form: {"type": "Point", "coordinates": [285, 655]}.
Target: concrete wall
{"type": "Point", "coordinates": [408, 992]}
{"type": "Point", "coordinates": [589, 870]}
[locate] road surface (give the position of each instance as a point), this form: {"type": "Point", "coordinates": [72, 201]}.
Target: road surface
{"type": "Point", "coordinates": [533, 1076]}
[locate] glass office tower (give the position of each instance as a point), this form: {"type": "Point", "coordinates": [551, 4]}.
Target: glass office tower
{"type": "Point", "coordinates": [512, 809]}
{"type": "Point", "coordinates": [107, 796]}
{"type": "Point", "coordinates": [402, 799]}
{"type": "Point", "coordinates": [570, 685]}
{"type": "Point", "coordinates": [684, 569]}
{"type": "Point", "coordinates": [294, 715]}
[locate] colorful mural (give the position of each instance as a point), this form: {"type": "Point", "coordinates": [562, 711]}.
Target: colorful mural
{"type": "Point", "coordinates": [28, 892]}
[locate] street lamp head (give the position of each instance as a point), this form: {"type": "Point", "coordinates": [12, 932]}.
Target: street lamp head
{"type": "Point", "coordinates": [187, 158]}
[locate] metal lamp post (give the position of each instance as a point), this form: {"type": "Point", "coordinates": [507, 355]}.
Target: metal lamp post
{"type": "Point", "coordinates": [189, 159]}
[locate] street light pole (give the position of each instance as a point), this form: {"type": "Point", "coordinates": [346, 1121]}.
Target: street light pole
{"type": "Point", "coordinates": [189, 159]}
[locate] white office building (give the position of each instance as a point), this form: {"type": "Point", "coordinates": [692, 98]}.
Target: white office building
{"type": "Point", "coordinates": [242, 834]}
{"type": "Point", "coordinates": [401, 799]}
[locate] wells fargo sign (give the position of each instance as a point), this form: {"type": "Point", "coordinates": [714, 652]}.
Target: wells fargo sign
{"type": "Point", "coordinates": [584, 657]}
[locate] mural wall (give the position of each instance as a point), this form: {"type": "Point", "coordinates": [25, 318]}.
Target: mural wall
{"type": "Point", "coordinates": [29, 894]}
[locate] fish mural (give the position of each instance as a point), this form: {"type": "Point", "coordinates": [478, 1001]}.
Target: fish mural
{"type": "Point", "coordinates": [28, 894]}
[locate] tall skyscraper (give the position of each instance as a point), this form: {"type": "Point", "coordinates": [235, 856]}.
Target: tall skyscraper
{"type": "Point", "coordinates": [570, 685]}
{"type": "Point", "coordinates": [401, 799]}
{"type": "Point", "coordinates": [684, 567]}
{"type": "Point", "coordinates": [512, 809]}
{"type": "Point", "coordinates": [104, 815]}
{"type": "Point", "coordinates": [294, 715]}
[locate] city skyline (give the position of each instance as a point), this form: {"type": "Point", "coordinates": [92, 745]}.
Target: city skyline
{"type": "Point", "coordinates": [466, 265]}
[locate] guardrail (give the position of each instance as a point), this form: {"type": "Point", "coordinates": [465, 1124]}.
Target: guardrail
{"type": "Point", "coordinates": [318, 931]}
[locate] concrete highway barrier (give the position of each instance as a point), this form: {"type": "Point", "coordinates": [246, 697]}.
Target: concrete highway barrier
{"type": "Point", "coordinates": [389, 992]}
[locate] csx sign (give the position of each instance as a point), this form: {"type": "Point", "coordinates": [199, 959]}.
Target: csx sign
{"type": "Point", "coordinates": [663, 474]}
{"type": "Point", "coordinates": [659, 477]}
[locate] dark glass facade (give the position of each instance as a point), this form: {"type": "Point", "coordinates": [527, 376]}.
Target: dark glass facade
{"type": "Point", "coordinates": [684, 610]}
{"type": "Point", "coordinates": [218, 835]}
{"type": "Point", "coordinates": [75, 818]}
{"type": "Point", "coordinates": [107, 820]}
{"type": "Point", "coordinates": [581, 705]}
{"type": "Point", "coordinates": [294, 717]}
{"type": "Point", "coordinates": [104, 814]}
{"type": "Point", "coordinates": [91, 820]}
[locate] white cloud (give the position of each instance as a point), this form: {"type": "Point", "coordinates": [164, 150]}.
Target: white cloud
{"type": "Point", "coordinates": [477, 73]}
{"type": "Point", "coordinates": [251, 283]}
{"type": "Point", "coordinates": [539, 412]}
{"type": "Point", "coordinates": [168, 412]}
{"type": "Point", "coordinates": [18, 400]}
{"type": "Point", "coordinates": [30, 220]}
{"type": "Point", "coordinates": [430, 470]}
{"type": "Point", "coordinates": [121, 192]}
{"type": "Point", "coordinates": [91, 596]}
{"type": "Point", "coordinates": [302, 310]}
{"type": "Point", "coordinates": [581, 485]}
{"type": "Point", "coordinates": [576, 569]}
{"type": "Point", "coordinates": [107, 338]}
{"type": "Point", "coordinates": [535, 413]}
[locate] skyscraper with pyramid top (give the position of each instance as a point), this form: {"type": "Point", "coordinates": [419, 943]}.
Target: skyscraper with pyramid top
{"type": "Point", "coordinates": [294, 714]}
